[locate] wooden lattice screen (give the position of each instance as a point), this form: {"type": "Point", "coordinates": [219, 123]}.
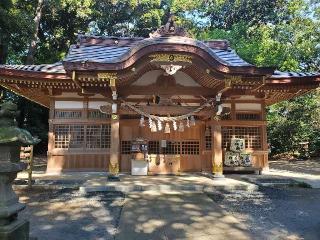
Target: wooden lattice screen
{"type": "Point", "coordinates": [190, 148]}
{"type": "Point", "coordinates": [208, 139]}
{"type": "Point", "coordinates": [67, 114]}
{"type": "Point", "coordinates": [252, 136]}
{"type": "Point", "coordinates": [97, 114]}
{"type": "Point", "coordinates": [248, 116]}
{"type": "Point", "coordinates": [153, 147]}
{"type": "Point", "coordinates": [125, 147]}
{"type": "Point", "coordinates": [82, 136]}
{"type": "Point", "coordinates": [173, 147]}
{"type": "Point", "coordinates": [227, 133]}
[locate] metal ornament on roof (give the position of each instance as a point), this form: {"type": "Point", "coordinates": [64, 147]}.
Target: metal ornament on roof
{"type": "Point", "coordinates": [170, 28]}
{"type": "Point", "coordinates": [171, 69]}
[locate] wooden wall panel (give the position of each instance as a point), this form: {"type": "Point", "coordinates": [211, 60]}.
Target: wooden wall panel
{"type": "Point", "coordinates": [206, 161]}
{"type": "Point", "coordinates": [160, 163]}
{"type": "Point", "coordinates": [190, 163]}
{"type": "Point", "coordinates": [78, 162]}
{"type": "Point", "coordinates": [260, 160]}
{"type": "Point", "coordinates": [125, 163]}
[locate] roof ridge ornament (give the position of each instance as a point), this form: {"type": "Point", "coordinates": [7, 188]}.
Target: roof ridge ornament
{"type": "Point", "coordinates": [169, 29]}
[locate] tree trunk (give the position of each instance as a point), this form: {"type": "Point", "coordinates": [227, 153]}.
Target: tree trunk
{"type": "Point", "coordinates": [33, 44]}
{"type": "Point", "coordinates": [3, 53]}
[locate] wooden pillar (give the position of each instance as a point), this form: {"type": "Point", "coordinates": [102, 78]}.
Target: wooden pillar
{"type": "Point", "coordinates": [115, 145]}
{"type": "Point", "coordinates": [217, 161]}
{"type": "Point", "coordinates": [264, 137]}
{"type": "Point", "coordinates": [51, 164]}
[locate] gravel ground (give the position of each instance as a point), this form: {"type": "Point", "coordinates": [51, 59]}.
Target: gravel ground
{"type": "Point", "coordinates": [276, 213]}
{"type": "Point", "coordinates": [67, 214]}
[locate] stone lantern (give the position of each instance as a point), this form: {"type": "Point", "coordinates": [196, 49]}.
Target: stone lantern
{"type": "Point", "coordinates": [11, 140]}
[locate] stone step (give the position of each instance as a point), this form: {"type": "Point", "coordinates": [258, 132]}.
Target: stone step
{"type": "Point", "coordinates": [168, 188]}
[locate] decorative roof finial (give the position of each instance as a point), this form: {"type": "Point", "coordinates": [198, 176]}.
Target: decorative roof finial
{"type": "Point", "coordinates": [169, 29]}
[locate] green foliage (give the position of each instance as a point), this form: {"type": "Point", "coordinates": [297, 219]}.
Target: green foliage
{"type": "Point", "coordinates": [224, 14]}
{"type": "Point", "coordinates": [15, 22]}
{"type": "Point", "coordinates": [290, 43]}
{"type": "Point", "coordinates": [295, 121]}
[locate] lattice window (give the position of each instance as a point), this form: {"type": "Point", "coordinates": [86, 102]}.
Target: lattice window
{"type": "Point", "coordinates": [248, 116]}
{"type": "Point", "coordinates": [227, 133]}
{"type": "Point", "coordinates": [208, 139]}
{"type": "Point", "coordinates": [67, 114]}
{"type": "Point", "coordinates": [172, 148]}
{"type": "Point", "coordinates": [73, 136]}
{"type": "Point", "coordinates": [252, 136]}
{"type": "Point", "coordinates": [190, 148]}
{"type": "Point", "coordinates": [97, 114]}
{"type": "Point", "coordinates": [98, 136]}
{"type": "Point", "coordinates": [69, 136]}
{"type": "Point", "coordinates": [153, 147]}
{"type": "Point", "coordinates": [125, 147]}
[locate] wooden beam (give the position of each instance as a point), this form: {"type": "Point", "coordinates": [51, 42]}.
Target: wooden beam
{"type": "Point", "coordinates": [154, 89]}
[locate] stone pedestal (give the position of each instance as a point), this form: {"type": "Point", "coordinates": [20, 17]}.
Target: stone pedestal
{"type": "Point", "coordinates": [10, 227]}
{"type": "Point", "coordinates": [11, 140]}
{"type": "Point", "coordinates": [17, 230]}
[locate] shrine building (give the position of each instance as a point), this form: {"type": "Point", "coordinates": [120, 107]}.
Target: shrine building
{"type": "Point", "coordinates": [186, 99]}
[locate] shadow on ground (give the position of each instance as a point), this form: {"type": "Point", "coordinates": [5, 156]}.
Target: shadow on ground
{"type": "Point", "coordinates": [177, 216]}
{"type": "Point", "coordinates": [66, 214]}
{"type": "Point", "coordinates": [275, 213]}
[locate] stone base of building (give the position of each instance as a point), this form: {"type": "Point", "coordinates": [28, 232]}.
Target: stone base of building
{"type": "Point", "coordinates": [17, 230]}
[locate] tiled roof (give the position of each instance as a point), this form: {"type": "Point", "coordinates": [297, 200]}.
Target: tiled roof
{"type": "Point", "coordinates": [279, 74]}
{"type": "Point", "coordinates": [101, 49]}
{"type": "Point", "coordinates": [95, 53]}
{"type": "Point", "coordinates": [112, 54]}
{"type": "Point", "coordinates": [46, 68]}
{"type": "Point", "coordinates": [230, 57]}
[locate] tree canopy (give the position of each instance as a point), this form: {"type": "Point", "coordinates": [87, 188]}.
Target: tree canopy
{"type": "Point", "coordinates": [282, 33]}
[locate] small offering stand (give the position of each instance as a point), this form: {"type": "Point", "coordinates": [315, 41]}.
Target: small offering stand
{"type": "Point", "coordinates": [139, 157]}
